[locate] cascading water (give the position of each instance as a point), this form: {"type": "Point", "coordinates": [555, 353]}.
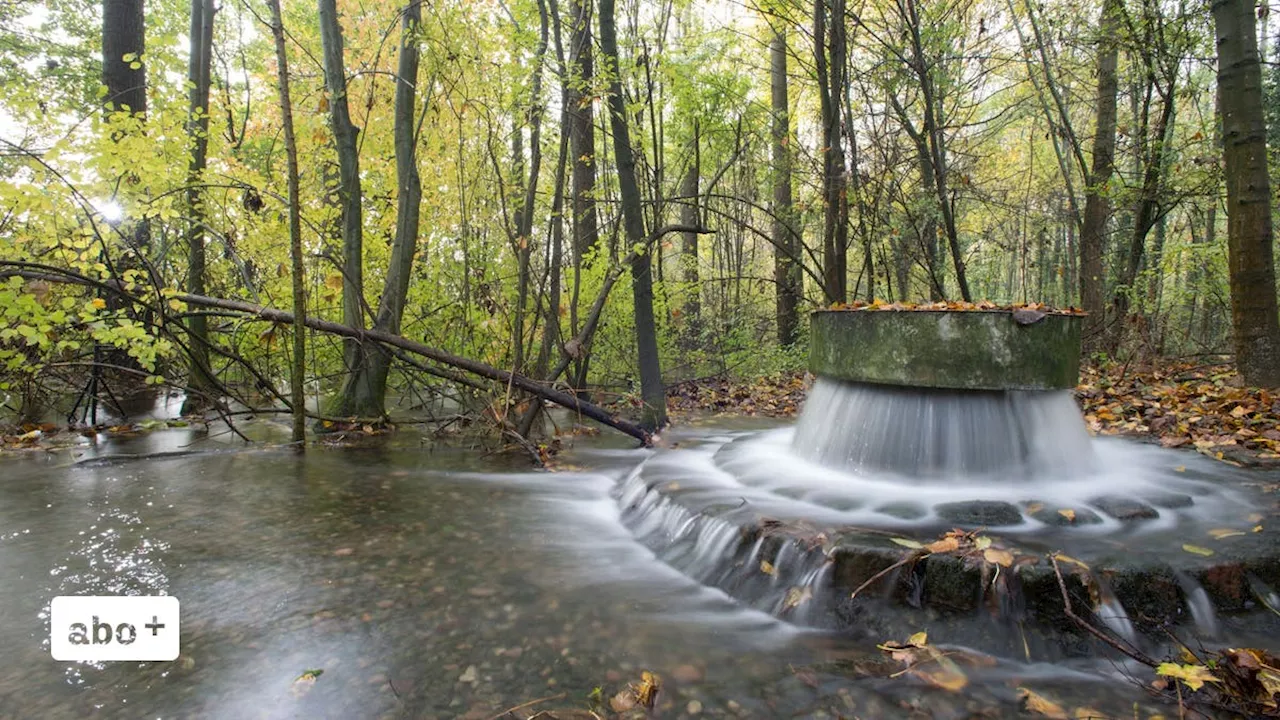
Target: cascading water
{"type": "Point", "coordinates": [926, 432]}
{"type": "Point", "coordinates": [914, 432]}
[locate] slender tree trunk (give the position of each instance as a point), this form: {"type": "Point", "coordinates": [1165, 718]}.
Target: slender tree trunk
{"type": "Point", "coordinates": [582, 152]}
{"type": "Point", "coordinates": [1249, 225]}
{"type": "Point", "coordinates": [124, 72]}
{"type": "Point", "coordinates": [198, 75]}
{"type": "Point", "coordinates": [786, 251]}
{"type": "Point", "coordinates": [1097, 203]}
{"type": "Point", "coordinates": [651, 389]}
{"type": "Point", "coordinates": [365, 390]}
{"type": "Point", "coordinates": [528, 204]}
{"type": "Point", "coordinates": [828, 54]}
{"type": "Point", "coordinates": [297, 396]}
{"type": "Point", "coordinates": [349, 189]}
{"type": "Point", "coordinates": [689, 215]}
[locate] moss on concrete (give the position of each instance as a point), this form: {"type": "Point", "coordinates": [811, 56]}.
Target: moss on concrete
{"type": "Point", "coordinates": [965, 350]}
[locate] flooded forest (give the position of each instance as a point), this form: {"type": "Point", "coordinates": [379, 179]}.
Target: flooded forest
{"type": "Point", "coordinates": [498, 359]}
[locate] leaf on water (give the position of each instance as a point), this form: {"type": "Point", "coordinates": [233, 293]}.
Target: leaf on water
{"type": "Point", "coordinates": [767, 568]}
{"type": "Point", "coordinates": [946, 674]}
{"type": "Point", "coordinates": [796, 597]}
{"type": "Point", "coordinates": [1088, 713]}
{"type": "Point", "coordinates": [982, 542]}
{"type": "Point", "coordinates": [302, 684]}
{"type": "Point", "coordinates": [1197, 550]}
{"type": "Point", "coordinates": [945, 545]}
{"type": "Point", "coordinates": [647, 691]}
{"type": "Point", "coordinates": [1193, 676]}
{"type": "Point", "coordinates": [920, 639]}
{"type": "Point", "coordinates": [995, 556]}
{"type": "Point", "coordinates": [904, 542]}
{"type": "Point", "coordinates": [1220, 533]}
{"type": "Point", "coordinates": [1180, 468]}
{"type": "Point", "coordinates": [1039, 704]}
{"type": "Point", "coordinates": [1068, 513]}
{"type": "Point", "coordinates": [623, 701]}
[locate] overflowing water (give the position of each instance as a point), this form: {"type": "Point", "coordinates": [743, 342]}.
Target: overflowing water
{"type": "Point", "coordinates": [926, 433]}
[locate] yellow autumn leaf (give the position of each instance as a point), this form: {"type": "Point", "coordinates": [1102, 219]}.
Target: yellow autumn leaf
{"type": "Point", "coordinates": [796, 597]}
{"type": "Point", "coordinates": [99, 303]}
{"type": "Point", "coordinates": [1068, 513]}
{"type": "Point", "coordinates": [1193, 676]}
{"type": "Point", "coordinates": [995, 556]}
{"type": "Point", "coordinates": [1039, 704]}
{"type": "Point", "coordinates": [946, 674]}
{"type": "Point", "coordinates": [1068, 559]}
{"type": "Point", "coordinates": [767, 568]}
{"type": "Point", "coordinates": [1220, 533]}
{"type": "Point", "coordinates": [982, 543]}
{"type": "Point", "coordinates": [1197, 550]}
{"type": "Point", "coordinates": [920, 639]}
{"type": "Point", "coordinates": [945, 545]}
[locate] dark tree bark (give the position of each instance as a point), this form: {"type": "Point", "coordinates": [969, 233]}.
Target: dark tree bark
{"type": "Point", "coordinates": [299, 317]}
{"type": "Point", "coordinates": [1249, 227]}
{"type": "Point", "coordinates": [1097, 204]}
{"type": "Point", "coordinates": [365, 390]}
{"type": "Point", "coordinates": [349, 190]}
{"type": "Point", "coordinates": [651, 389]}
{"type": "Point", "coordinates": [198, 75]}
{"type": "Point", "coordinates": [124, 35]}
{"type": "Point", "coordinates": [582, 154]}
{"type": "Point", "coordinates": [786, 246]}
{"type": "Point", "coordinates": [829, 62]}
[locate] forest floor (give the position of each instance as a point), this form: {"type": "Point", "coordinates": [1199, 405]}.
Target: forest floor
{"type": "Point", "coordinates": [1204, 407]}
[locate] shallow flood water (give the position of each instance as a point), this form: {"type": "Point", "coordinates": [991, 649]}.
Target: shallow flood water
{"type": "Point", "coordinates": [425, 585]}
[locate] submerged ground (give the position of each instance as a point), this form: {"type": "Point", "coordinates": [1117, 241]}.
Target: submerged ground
{"type": "Point", "coordinates": [430, 585]}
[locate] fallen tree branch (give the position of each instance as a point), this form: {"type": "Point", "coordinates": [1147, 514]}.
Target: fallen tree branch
{"type": "Point", "coordinates": [475, 367]}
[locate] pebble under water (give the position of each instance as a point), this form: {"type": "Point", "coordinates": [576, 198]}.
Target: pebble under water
{"type": "Point", "coordinates": [434, 585]}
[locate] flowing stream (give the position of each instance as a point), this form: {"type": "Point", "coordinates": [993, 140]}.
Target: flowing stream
{"type": "Point", "coordinates": [440, 584]}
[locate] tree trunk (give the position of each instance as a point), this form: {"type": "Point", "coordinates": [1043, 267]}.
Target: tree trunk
{"type": "Point", "coordinates": [651, 389]}
{"type": "Point", "coordinates": [689, 244]}
{"type": "Point", "coordinates": [349, 190]}
{"type": "Point", "coordinates": [123, 47]}
{"type": "Point", "coordinates": [1097, 204]}
{"type": "Point", "coordinates": [786, 247]}
{"type": "Point", "coordinates": [198, 75]}
{"type": "Point", "coordinates": [582, 154]}
{"type": "Point", "coordinates": [1249, 230]}
{"type": "Point", "coordinates": [299, 319]}
{"type": "Point", "coordinates": [365, 390]}
{"type": "Point", "coordinates": [828, 54]}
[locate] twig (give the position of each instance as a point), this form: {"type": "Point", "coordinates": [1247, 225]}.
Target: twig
{"type": "Point", "coordinates": [522, 706]}
{"type": "Point", "coordinates": [1129, 652]}
{"type": "Point", "coordinates": [908, 559]}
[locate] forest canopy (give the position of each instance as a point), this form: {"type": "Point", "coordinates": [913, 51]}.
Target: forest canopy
{"type": "Point", "coordinates": [607, 198]}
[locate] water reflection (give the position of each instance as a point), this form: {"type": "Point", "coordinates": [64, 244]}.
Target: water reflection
{"type": "Point", "coordinates": [425, 585]}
